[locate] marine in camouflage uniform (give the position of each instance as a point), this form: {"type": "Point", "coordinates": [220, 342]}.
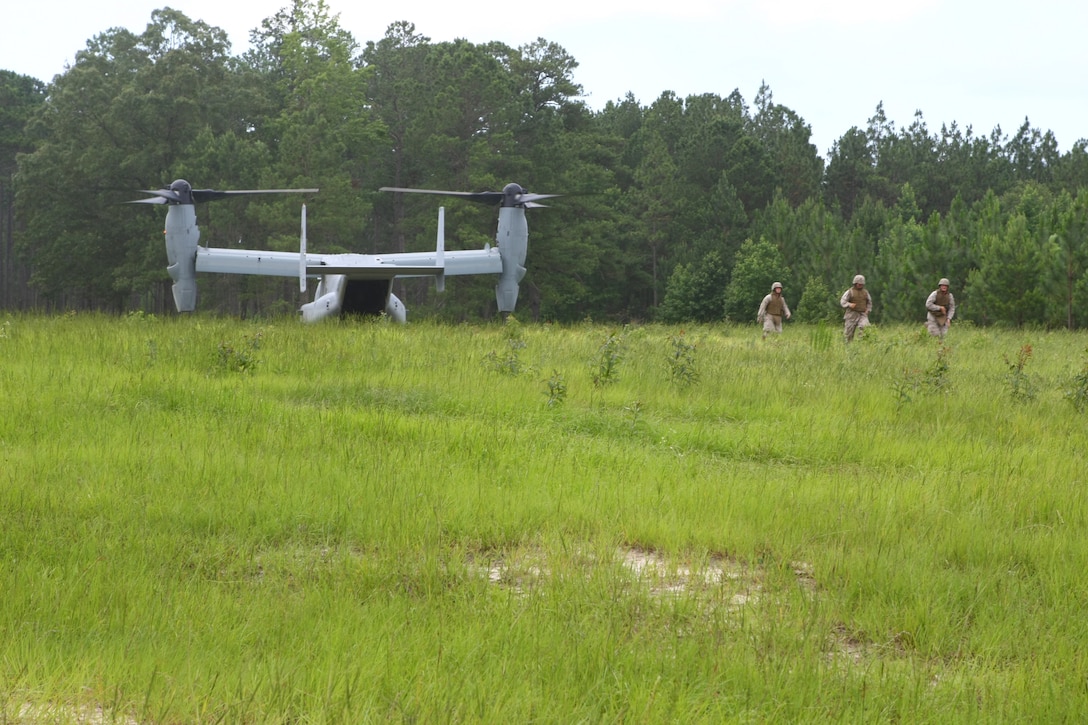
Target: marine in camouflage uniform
{"type": "Point", "coordinates": [858, 303]}
{"type": "Point", "coordinates": [772, 309]}
{"type": "Point", "coordinates": [940, 308]}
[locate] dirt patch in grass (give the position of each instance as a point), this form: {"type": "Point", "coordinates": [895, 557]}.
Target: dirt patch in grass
{"type": "Point", "coordinates": [33, 714]}
{"type": "Point", "coordinates": [523, 569]}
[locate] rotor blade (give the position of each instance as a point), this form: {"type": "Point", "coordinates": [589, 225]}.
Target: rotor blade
{"type": "Point", "coordinates": [486, 197]}
{"type": "Point", "coordinates": [160, 196]}
{"type": "Point", "coordinates": [202, 195]}
{"type": "Point", "coordinates": [169, 196]}
{"type": "Point", "coordinates": [528, 198]}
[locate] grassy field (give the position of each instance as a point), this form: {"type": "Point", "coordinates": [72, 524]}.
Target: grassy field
{"type": "Point", "coordinates": [207, 520]}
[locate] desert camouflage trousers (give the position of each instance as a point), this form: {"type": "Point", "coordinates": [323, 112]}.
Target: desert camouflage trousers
{"type": "Point", "coordinates": [937, 328]}
{"type": "Point", "coordinates": [854, 322]}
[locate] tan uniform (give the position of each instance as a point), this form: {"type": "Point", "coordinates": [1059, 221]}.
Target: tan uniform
{"type": "Point", "coordinates": [936, 321]}
{"type": "Point", "coordinates": [771, 310]}
{"type": "Point", "coordinates": [856, 319]}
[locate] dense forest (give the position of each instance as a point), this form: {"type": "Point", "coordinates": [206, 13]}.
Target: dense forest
{"type": "Point", "coordinates": [685, 209]}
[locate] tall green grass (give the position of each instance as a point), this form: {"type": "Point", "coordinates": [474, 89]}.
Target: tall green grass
{"type": "Point", "coordinates": [207, 520]}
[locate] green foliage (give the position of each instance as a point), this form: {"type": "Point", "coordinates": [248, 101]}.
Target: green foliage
{"type": "Point", "coordinates": [695, 291]}
{"type": "Point", "coordinates": [933, 378]}
{"type": "Point", "coordinates": [150, 95]}
{"type": "Point", "coordinates": [1007, 286]}
{"type": "Point", "coordinates": [1067, 252]}
{"type": "Point", "coordinates": [509, 362]}
{"type": "Point", "coordinates": [905, 387]}
{"type": "Point", "coordinates": [1021, 385]}
{"type": "Point", "coordinates": [937, 373]}
{"type": "Point", "coordinates": [680, 361]}
{"type": "Point", "coordinates": [936, 376]}
{"type": "Point", "coordinates": [818, 303]}
{"type": "Point", "coordinates": [851, 174]}
{"type": "Point", "coordinates": [1077, 392]}
{"type": "Point", "coordinates": [557, 389]}
{"type": "Point", "coordinates": [320, 132]}
{"type": "Point", "coordinates": [20, 97]}
{"type": "Point", "coordinates": [604, 369]}
{"type": "Point", "coordinates": [231, 357]}
{"type": "Point", "coordinates": [897, 284]}
{"type": "Point", "coordinates": [758, 266]}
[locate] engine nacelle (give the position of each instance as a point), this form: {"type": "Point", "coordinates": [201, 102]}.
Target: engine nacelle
{"type": "Point", "coordinates": [512, 240]}
{"type": "Point", "coordinates": [182, 238]}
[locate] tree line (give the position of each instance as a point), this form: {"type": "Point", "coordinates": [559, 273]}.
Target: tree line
{"type": "Point", "coordinates": [685, 209]}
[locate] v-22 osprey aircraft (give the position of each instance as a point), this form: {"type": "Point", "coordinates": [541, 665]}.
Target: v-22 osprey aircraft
{"type": "Point", "coordinates": [348, 283]}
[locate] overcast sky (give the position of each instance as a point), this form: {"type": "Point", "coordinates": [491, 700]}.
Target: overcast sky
{"type": "Point", "coordinates": [981, 64]}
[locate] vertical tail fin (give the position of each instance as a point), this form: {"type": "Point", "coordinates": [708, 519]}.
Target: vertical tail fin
{"type": "Point", "coordinates": [440, 251]}
{"type": "Point", "coordinates": [302, 254]}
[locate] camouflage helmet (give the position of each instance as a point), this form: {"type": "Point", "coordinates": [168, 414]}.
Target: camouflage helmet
{"type": "Point", "coordinates": [944, 282]}
{"type": "Point", "coordinates": [859, 279]}
{"type": "Point", "coordinates": [776, 285]}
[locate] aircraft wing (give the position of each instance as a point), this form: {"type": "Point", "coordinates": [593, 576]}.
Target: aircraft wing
{"type": "Point", "coordinates": [352, 266]}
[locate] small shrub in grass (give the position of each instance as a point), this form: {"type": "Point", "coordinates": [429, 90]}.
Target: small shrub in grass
{"type": "Point", "coordinates": [605, 365]}
{"type": "Point", "coordinates": [1077, 392]}
{"type": "Point", "coordinates": [509, 362]}
{"type": "Point", "coordinates": [818, 304]}
{"type": "Point", "coordinates": [906, 386]}
{"type": "Point", "coordinates": [870, 336]}
{"type": "Point", "coordinates": [506, 364]}
{"type": "Point", "coordinates": [936, 377]}
{"type": "Point", "coordinates": [139, 316]}
{"type": "Point", "coordinates": [680, 361]}
{"type": "Point", "coordinates": [932, 379]}
{"type": "Point", "coordinates": [557, 390]}
{"type": "Point", "coordinates": [1021, 386]}
{"type": "Point", "coordinates": [238, 359]}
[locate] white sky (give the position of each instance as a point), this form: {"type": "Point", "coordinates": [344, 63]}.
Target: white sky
{"type": "Point", "coordinates": [980, 63]}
